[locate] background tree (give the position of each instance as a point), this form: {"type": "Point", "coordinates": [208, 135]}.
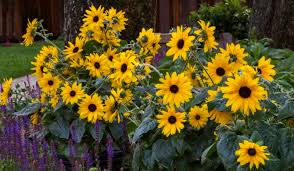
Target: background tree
{"type": "Point", "coordinates": [139, 13]}
{"type": "Point", "coordinates": [274, 19]}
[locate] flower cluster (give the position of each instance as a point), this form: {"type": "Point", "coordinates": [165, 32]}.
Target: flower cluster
{"type": "Point", "coordinates": [98, 78]}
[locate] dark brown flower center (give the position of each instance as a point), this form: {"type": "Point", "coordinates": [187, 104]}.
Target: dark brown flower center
{"type": "Point", "coordinates": [174, 88]}
{"type": "Point", "coordinates": [50, 82]}
{"type": "Point", "coordinates": [220, 71]}
{"type": "Point", "coordinates": [259, 71]}
{"type": "Point", "coordinates": [42, 69]}
{"type": "Point", "coordinates": [97, 65]}
{"type": "Point", "coordinates": [72, 93]}
{"type": "Point", "coordinates": [110, 58]}
{"type": "Point", "coordinates": [251, 152]}
{"type": "Point", "coordinates": [92, 108]}
{"type": "Point", "coordinates": [172, 119]}
{"type": "Point", "coordinates": [233, 58]}
{"type": "Point", "coordinates": [124, 68]}
{"type": "Point", "coordinates": [197, 117]}
{"type": "Point", "coordinates": [144, 39]}
{"type": "Point", "coordinates": [75, 50]}
{"type": "Point", "coordinates": [193, 75]}
{"type": "Point", "coordinates": [244, 92]}
{"type": "Point", "coordinates": [96, 19]}
{"type": "Point", "coordinates": [180, 44]}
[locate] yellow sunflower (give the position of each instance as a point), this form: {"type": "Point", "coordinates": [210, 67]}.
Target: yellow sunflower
{"type": "Point", "coordinates": [53, 100]}
{"type": "Point", "coordinates": [252, 154]}
{"type": "Point", "coordinates": [35, 118]}
{"type": "Point", "coordinates": [97, 65]}
{"type": "Point", "coordinates": [211, 95]}
{"type": "Point", "coordinates": [170, 121]}
{"type": "Point", "coordinates": [124, 68]}
{"type": "Point", "coordinates": [236, 55]}
{"type": "Point", "coordinates": [49, 83]}
{"type": "Point", "coordinates": [4, 91]}
{"type": "Point", "coordinates": [145, 40]}
{"type": "Point", "coordinates": [94, 16]}
{"type": "Point", "coordinates": [206, 36]}
{"type": "Point", "coordinates": [111, 110]}
{"type": "Point", "coordinates": [249, 70]}
{"type": "Point", "coordinates": [266, 69]}
{"type": "Point", "coordinates": [91, 108]}
{"type": "Point", "coordinates": [154, 44]}
{"type": "Point", "coordinates": [45, 60]}
{"type": "Point", "coordinates": [72, 94]}
{"type": "Point", "coordinates": [107, 37]}
{"type": "Point", "coordinates": [87, 31]}
{"type": "Point", "coordinates": [122, 96]}
{"type": "Point", "coordinates": [117, 20]}
{"type": "Point", "coordinates": [244, 93]}
{"type": "Point", "coordinates": [111, 55]}
{"type": "Point", "coordinates": [194, 78]}
{"type": "Point", "coordinates": [218, 68]}
{"type": "Point", "coordinates": [74, 51]}
{"type": "Point", "coordinates": [198, 116]}
{"type": "Point", "coordinates": [220, 117]}
{"type": "Point", "coordinates": [30, 32]}
{"type": "Point", "coordinates": [175, 89]}
{"type": "Point", "coordinates": [180, 43]}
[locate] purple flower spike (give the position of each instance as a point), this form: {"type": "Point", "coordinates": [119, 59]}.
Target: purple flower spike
{"type": "Point", "coordinates": [109, 145]}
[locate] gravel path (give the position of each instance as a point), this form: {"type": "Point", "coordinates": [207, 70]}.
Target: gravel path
{"type": "Point", "coordinates": [22, 81]}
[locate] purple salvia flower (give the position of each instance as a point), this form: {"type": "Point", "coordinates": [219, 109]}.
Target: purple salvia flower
{"type": "Point", "coordinates": [61, 165]}
{"type": "Point", "coordinates": [44, 158]}
{"type": "Point", "coordinates": [72, 150]}
{"type": "Point", "coordinates": [53, 156]}
{"type": "Point", "coordinates": [86, 157]}
{"type": "Point", "coordinates": [35, 152]}
{"type": "Point", "coordinates": [73, 133]}
{"type": "Point", "coordinates": [109, 147]}
{"type": "Point", "coordinates": [11, 105]}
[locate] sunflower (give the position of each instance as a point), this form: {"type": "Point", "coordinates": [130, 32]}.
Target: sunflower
{"type": "Point", "coordinates": [45, 60]}
{"type": "Point", "coordinates": [107, 37]}
{"type": "Point", "coordinates": [4, 91]}
{"type": "Point", "coordinates": [265, 69]}
{"type": "Point", "coordinates": [252, 154]}
{"type": "Point", "coordinates": [87, 31]}
{"type": "Point", "coordinates": [198, 116]}
{"type": "Point", "coordinates": [111, 55]}
{"type": "Point", "coordinates": [72, 94]}
{"type": "Point", "coordinates": [30, 32]}
{"type": "Point", "coordinates": [218, 68]}
{"type": "Point", "coordinates": [97, 65]}
{"type": "Point", "coordinates": [144, 40]}
{"type": "Point", "coordinates": [124, 68]}
{"type": "Point", "coordinates": [154, 44]}
{"type": "Point", "coordinates": [220, 117]}
{"type": "Point", "coordinates": [122, 96]}
{"type": "Point", "coordinates": [74, 51]}
{"type": "Point", "coordinates": [206, 36]}
{"type": "Point", "coordinates": [117, 20]}
{"type": "Point", "coordinates": [244, 93]}
{"type": "Point", "coordinates": [91, 108]}
{"type": "Point", "coordinates": [180, 43]}
{"type": "Point", "coordinates": [111, 110]}
{"type": "Point", "coordinates": [171, 121]}
{"type": "Point", "coordinates": [54, 100]}
{"type": "Point", "coordinates": [175, 89]}
{"type": "Point", "coordinates": [94, 16]}
{"type": "Point", "coordinates": [35, 118]}
{"type": "Point", "coordinates": [194, 78]}
{"type": "Point", "coordinates": [49, 83]}
{"type": "Point", "coordinates": [236, 55]}
{"type": "Point", "coordinates": [249, 70]}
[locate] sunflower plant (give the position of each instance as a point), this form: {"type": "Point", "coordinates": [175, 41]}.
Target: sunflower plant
{"type": "Point", "coordinates": [199, 107]}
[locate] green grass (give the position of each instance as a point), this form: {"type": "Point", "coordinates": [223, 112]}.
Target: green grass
{"type": "Point", "coordinates": [15, 61]}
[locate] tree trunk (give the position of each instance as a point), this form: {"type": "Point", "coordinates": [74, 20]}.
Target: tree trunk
{"type": "Point", "coordinates": [140, 14]}
{"type": "Point", "coordinates": [274, 19]}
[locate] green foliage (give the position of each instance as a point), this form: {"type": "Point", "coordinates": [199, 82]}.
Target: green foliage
{"type": "Point", "coordinates": [228, 16]}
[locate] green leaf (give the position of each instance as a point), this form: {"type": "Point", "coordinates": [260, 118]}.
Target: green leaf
{"type": "Point", "coordinates": [163, 152]}
{"type": "Point", "coordinates": [148, 111]}
{"type": "Point", "coordinates": [91, 46]}
{"type": "Point", "coordinates": [148, 160]}
{"type": "Point", "coordinates": [93, 131]}
{"type": "Point", "coordinates": [28, 109]}
{"type": "Point", "coordinates": [208, 152]}
{"type": "Point", "coordinates": [77, 130]}
{"type": "Point", "coordinates": [179, 144]}
{"type": "Point", "coordinates": [287, 110]}
{"type": "Point", "coordinates": [60, 128]}
{"type": "Point", "coordinates": [116, 131]}
{"type": "Point", "coordinates": [136, 158]}
{"type": "Point", "coordinates": [286, 148]}
{"type": "Point", "coordinates": [226, 147]}
{"type": "Point", "coordinates": [147, 125]}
